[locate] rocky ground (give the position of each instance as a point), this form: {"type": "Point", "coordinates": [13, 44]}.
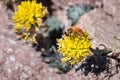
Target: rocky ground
{"type": "Point", "coordinates": [19, 61]}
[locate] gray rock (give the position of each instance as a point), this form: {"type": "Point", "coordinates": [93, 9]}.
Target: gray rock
{"type": "Point", "coordinates": [112, 7]}
{"type": "Point", "coordinates": [115, 77]}
{"type": "Point", "coordinates": [101, 28]}
{"type": "Point", "coordinates": [64, 3]}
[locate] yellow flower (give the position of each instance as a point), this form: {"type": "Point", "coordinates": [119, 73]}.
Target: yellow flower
{"type": "Point", "coordinates": [29, 14]}
{"type": "Point", "coordinates": [74, 48]}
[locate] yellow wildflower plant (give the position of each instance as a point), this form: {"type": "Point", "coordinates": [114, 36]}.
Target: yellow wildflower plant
{"type": "Point", "coordinates": [28, 19]}
{"type": "Point", "coordinates": [74, 47]}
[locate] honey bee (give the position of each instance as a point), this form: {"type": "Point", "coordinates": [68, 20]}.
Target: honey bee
{"type": "Point", "coordinates": [75, 30]}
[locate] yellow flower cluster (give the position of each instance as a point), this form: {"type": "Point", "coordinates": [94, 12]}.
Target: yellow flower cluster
{"type": "Point", "coordinates": [28, 19]}
{"type": "Point", "coordinates": [74, 48]}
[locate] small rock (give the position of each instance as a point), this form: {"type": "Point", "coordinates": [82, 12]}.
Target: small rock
{"type": "Point", "coordinates": [12, 58]}
{"type": "Point", "coordinates": [112, 8]}
{"type": "Point", "coordinates": [12, 42]}
{"type": "Point", "coordinates": [9, 50]}
{"type": "Point", "coordinates": [28, 70]}
{"type": "Point", "coordinates": [18, 65]}
{"type": "Point", "coordinates": [23, 76]}
{"type": "Point", "coordinates": [9, 71]}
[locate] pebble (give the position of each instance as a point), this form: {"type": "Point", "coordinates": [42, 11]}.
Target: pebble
{"type": "Point", "coordinates": [12, 58]}
{"type": "Point", "coordinates": [23, 76]}
{"type": "Point", "coordinates": [12, 42]}
{"type": "Point", "coordinates": [9, 50]}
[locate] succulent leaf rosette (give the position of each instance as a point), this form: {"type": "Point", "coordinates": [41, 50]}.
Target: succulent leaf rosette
{"type": "Point", "coordinates": [28, 19]}
{"type": "Point", "coordinates": [74, 47]}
